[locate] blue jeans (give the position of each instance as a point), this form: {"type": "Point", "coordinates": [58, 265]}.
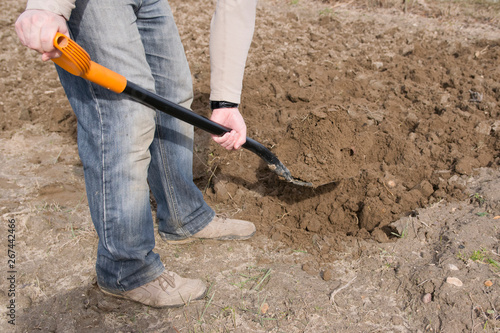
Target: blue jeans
{"type": "Point", "coordinates": [128, 149]}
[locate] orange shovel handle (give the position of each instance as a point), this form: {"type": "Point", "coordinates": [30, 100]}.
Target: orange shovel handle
{"type": "Point", "coordinates": [76, 61]}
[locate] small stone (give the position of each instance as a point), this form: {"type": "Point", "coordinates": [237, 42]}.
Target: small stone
{"type": "Point", "coordinates": [452, 267]}
{"type": "Point", "coordinates": [264, 307]}
{"type": "Point", "coordinates": [391, 184]}
{"type": "Point", "coordinates": [488, 283]}
{"type": "Point", "coordinates": [427, 298]}
{"type": "Point", "coordinates": [454, 281]}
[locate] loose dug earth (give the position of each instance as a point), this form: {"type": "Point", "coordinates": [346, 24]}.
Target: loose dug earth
{"type": "Point", "coordinates": [398, 105]}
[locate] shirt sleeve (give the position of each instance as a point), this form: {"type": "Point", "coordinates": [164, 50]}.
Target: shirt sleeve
{"type": "Point", "coordinates": [231, 34]}
{"type": "Point", "coordinates": [60, 7]}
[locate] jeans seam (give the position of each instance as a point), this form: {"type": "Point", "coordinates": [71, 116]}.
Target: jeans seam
{"type": "Point", "coordinates": [171, 191]}
{"type": "Point", "coordinates": [105, 241]}
{"type": "Point", "coordinates": [98, 110]}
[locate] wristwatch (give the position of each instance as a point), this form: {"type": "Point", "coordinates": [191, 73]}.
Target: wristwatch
{"type": "Point", "coordinates": [222, 105]}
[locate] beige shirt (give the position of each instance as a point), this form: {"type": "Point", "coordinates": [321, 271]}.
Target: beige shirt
{"type": "Point", "coordinates": [231, 33]}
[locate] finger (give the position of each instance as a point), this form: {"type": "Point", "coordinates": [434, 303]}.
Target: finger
{"type": "Point", "coordinates": [220, 139]}
{"type": "Point", "coordinates": [234, 140]}
{"type": "Point", "coordinates": [54, 53]}
{"type": "Point", "coordinates": [227, 141]}
{"type": "Point", "coordinates": [228, 145]}
{"type": "Point", "coordinates": [46, 40]}
{"type": "Point", "coordinates": [240, 142]}
{"type": "Point", "coordinates": [51, 55]}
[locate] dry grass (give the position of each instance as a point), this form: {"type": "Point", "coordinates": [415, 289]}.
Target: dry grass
{"type": "Point", "coordinates": [482, 11]}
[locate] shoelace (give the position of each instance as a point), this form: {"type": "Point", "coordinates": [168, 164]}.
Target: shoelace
{"type": "Point", "coordinates": [166, 279]}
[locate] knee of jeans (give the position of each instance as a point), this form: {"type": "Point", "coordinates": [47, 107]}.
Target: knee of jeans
{"type": "Point", "coordinates": [138, 131]}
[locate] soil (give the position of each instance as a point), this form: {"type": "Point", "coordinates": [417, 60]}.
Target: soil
{"type": "Point", "coordinates": [392, 111]}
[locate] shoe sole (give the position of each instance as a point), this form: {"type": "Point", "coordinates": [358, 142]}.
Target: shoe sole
{"type": "Point", "coordinates": [153, 306]}
{"type": "Point", "coordinates": [194, 239]}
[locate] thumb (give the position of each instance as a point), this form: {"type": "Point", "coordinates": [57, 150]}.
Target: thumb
{"type": "Point", "coordinates": [51, 55]}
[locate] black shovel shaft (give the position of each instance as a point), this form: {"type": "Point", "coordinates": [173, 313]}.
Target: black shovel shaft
{"type": "Point", "coordinates": [157, 102]}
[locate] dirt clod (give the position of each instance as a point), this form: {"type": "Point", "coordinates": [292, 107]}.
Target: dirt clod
{"type": "Point", "coordinates": [327, 275]}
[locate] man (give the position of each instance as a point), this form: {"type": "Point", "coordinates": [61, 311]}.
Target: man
{"type": "Point", "coordinates": [128, 149]}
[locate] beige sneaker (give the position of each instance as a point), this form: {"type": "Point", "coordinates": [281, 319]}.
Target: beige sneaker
{"type": "Point", "coordinates": [167, 290]}
{"type": "Point", "coordinates": [221, 228]}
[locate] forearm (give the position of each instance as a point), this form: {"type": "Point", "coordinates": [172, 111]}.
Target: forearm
{"type": "Point", "coordinates": [60, 7]}
{"type": "Point", "coordinates": [230, 38]}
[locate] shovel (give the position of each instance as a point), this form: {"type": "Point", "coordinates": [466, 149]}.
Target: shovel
{"type": "Point", "coordinates": [76, 61]}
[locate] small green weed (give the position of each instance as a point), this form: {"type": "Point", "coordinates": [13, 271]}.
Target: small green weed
{"type": "Point", "coordinates": [480, 256]}
{"type": "Point", "coordinates": [478, 198]}
{"type": "Point", "coordinates": [402, 235]}
{"type": "Point", "coordinates": [477, 255]}
{"type": "Point", "coordinates": [493, 263]}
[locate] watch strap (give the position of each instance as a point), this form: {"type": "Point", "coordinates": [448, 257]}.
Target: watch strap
{"type": "Point", "coordinates": [222, 105]}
